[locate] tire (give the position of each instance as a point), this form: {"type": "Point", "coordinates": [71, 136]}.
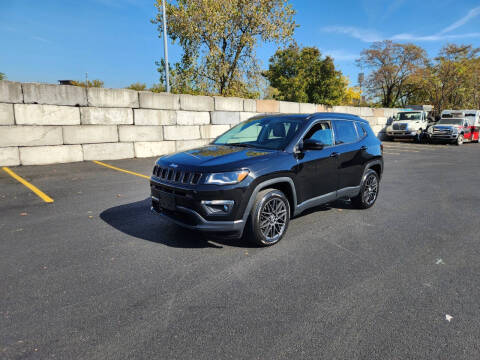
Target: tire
{"type": "Point", "coordinates": [368, 192]}
{"type": "Point", "coordinates": [418, 138]}
{"type": "Point", "coordinates": [459, 140]}
{"type": "Point", "coordinates": [269, 218]}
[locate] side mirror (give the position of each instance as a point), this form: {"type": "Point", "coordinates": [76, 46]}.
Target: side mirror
{"type": "Point", "coordinates": [311, 144]}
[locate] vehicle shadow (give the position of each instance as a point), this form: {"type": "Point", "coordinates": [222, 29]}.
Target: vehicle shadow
{"type": "Point", "coordinates": [135, 219]}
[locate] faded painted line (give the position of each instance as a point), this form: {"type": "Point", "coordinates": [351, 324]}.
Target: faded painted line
{"type": "Point", "coordinates": [391, 153]}
{"type": "Point", "coordinates": [122, 170]}
{"type": "Point", "coordinates": [400, 149]}
{"type": "Point", "coordinates": [416, 147]}
{"type": "Point", "coordinates": [32, 187]}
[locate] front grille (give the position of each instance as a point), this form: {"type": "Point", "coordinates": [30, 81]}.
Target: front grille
{"type": "Point", "coordinates": [442, 131]}
{"type": "Point", "coordinates": [176, 176]}
{"type": "Point", "coordinates": [399, 126]}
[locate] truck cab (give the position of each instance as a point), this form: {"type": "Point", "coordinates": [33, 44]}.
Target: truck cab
{"type": "Point", "coordinates": [409, 124]}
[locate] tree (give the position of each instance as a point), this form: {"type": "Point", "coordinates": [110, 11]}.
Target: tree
{"type": "Point", "coordinates": [392, 65]}
{"type": "Point", "coordinates": [352, 95]}
{"type": "Point", "coordinates": [137, 86]}
{"type": "Point", "coordinates": [89, 83]}
{"type": "Point", "coordinates": [3, 76]}
{"type": "Point", "coordinates": [219, 38]}
{"type": "Point", "coordinates": [157, 88]}
{"type": "Point", "coordinates": [304, 75]}
{"type": "Point", "coordinates": [450, 80]}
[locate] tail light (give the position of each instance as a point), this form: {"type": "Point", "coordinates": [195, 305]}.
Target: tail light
{"type": "Point", "coordinates": [381, 148]}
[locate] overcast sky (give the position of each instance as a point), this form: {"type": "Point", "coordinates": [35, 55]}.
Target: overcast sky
{"type": "Point", "coordinates": [113, 40]}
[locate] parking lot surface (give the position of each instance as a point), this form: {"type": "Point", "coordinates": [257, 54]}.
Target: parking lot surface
{"type": "Point", "coordinates": [95, 275]}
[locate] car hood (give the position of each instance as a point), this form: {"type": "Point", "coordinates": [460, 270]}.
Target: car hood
{"type": "Point", "coordinates": [217, 156]}
{"type": "Point", "coordinates": [445, 127]}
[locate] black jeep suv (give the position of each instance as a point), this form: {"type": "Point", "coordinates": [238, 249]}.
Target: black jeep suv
{"type": "Point", "coordinates": [252, 179]}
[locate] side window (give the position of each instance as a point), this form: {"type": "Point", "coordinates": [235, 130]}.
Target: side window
{"type": "Point", "coordinates": [321, 132]}
{"type": "Point", "coordinates": [362, 132]}
{"type": "Point", "coordinates": [345, 132]}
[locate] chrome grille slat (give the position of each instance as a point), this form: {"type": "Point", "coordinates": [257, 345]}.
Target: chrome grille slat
{"type": "Point", "coordinates": [186, 177]}
{"type": "Point", "coordinates": [399, 126]}
{"type": "Point", "coordinates": [195, 178]}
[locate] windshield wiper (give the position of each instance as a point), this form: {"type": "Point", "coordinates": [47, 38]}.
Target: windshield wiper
{"type": "Point", "coordinates": [241, 145]}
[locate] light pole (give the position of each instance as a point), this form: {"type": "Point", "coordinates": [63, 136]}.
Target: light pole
{"type": "Point", "coordinates": [165, 47]}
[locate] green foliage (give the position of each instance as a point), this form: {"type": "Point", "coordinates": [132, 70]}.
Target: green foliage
{"type": "Point", "coordinates": [304, 75]}
{"type": "Point", "coordinates": [219, 39]}
{"type": "Point", "coordinates": [392, 66]}
{"type": "Point", "coordinates": [3, 76]}
{"type": "Point", "coordinates": [137, 86]}
{"type": "Point", "coordinates": [402, 75]}
{"type": "Point", "coordinates": [91, 83]}
{"type": "Point", "coordinates": [450, 81]}
{"type": "Point", "coordinates": [157, 88]}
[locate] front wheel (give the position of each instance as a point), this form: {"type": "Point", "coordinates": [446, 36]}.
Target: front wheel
{"type": "Point", "coordinates": [368, 191]}
{"type": "Point", "coordinates": [269, 218]}
{"type": "Point", "coordinates": [460, 140]}
{"type": "Point", "coordinates": [419, 136]}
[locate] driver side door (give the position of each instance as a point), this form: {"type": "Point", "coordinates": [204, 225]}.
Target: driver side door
{"type": "Point", "coordinates": [317, 174]}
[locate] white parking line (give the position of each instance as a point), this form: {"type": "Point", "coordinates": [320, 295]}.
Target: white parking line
{"type": "Point", "coordinates": [412, 148]}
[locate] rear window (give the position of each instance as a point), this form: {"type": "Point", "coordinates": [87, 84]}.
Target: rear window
{"type": "Point", "coordinates": [345, 132]}
{"type": "Point", "coordinates": [364, 128]}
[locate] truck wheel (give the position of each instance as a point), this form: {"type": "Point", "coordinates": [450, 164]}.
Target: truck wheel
{"type": "Point", "coordinates": [418, 138]}
{"type": "Point", "coordinates": [368, 191]}
{"type": "Point", "coordinates": [269, 218]}
{"type": "Point", "coordinates": [459, 140]}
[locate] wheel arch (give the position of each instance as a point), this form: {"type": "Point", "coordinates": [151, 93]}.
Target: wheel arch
{"type": "Point", "coordinates": [377, 166]}
{"type": "Point", "coordinates": [284, 184]}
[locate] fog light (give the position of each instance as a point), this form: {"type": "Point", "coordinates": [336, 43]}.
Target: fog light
{"type": "Point", "coordinates": [217, 207]}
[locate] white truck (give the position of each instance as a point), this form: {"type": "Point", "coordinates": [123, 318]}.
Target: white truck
{"type": "Point", "coordinates": [410, 123]}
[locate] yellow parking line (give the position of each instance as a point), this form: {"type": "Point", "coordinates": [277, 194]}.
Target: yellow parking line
{"type": "Point", "coordinates": [32, 187]}
{"type": "Point", "coordinates": [122, 170]}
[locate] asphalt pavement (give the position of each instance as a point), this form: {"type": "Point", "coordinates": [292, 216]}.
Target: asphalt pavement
{"type": "Point", "coordinates": [95, 275]}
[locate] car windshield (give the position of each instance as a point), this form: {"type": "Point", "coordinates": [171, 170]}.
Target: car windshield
{"type": "Point", "coordinates": [450, 122]}
{"type": "Point", "coordinates": [265, 133]}
{"type": "Point", "coordinates": [409, 116]}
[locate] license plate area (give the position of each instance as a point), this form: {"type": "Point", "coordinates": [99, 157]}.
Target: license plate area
{"type": "Point", "coordinates": [166, 200]}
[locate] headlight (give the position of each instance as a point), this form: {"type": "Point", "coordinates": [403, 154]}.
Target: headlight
{"type": "Point", "coordinates": [454, 131]}
{"type": "Point", "coordinates": [227, 178]}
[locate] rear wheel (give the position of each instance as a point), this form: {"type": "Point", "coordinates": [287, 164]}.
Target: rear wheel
{"type": "Point", "coordinates": [368, 191]}
{"type": "Point", "coordinates": [269, 218]}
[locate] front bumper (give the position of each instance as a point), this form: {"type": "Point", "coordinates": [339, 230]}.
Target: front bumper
{"type": "Point", "coordinates": [443, 137]}
{"type": "Point", "coordinates": [186, 209]}
{"type": "Point", "coordinates": [402, 134]}
{"type": "Point", "coordinates": [190, 219]}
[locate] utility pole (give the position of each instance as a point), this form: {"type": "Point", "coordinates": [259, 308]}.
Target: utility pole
{"type": "Point", "coordinates": [165, 47]}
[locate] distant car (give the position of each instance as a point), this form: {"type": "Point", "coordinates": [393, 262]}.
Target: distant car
{"type": "Point", "coordinates": [254, 178]}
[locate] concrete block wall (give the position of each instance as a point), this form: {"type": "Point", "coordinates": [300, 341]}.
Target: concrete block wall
{"type": "Point", "coordinates": [45, 124]}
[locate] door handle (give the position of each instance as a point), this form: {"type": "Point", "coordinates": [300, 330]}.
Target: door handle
{"type": "Point", "coordinates": [334, 154]}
